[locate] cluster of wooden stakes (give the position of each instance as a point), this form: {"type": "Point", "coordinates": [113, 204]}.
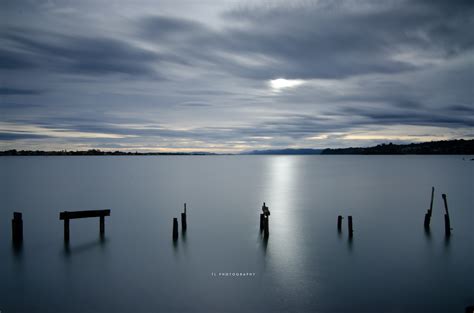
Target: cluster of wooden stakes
{"type": "Point", "coordinates": [447, 222]}
{"type": "Point", "coordinates": [66, 216]}
{"type": "Point", "coordinates": [184, 224]}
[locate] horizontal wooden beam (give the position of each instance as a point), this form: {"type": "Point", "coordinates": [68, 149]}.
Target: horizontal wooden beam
{"type": "Point", "coordinates": [83, 214]}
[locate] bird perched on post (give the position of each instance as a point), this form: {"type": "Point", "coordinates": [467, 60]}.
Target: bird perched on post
{"type": "Point", "coordinates": [265, 210]}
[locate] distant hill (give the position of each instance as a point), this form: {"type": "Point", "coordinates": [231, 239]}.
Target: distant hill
{"type": "Point", "coordinates": [284, 151]}
{"type": "Point", "coordinates": [460, 146]}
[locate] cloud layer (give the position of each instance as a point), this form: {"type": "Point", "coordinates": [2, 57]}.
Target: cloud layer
{"type": "Point", "coordinates": [231, 76]}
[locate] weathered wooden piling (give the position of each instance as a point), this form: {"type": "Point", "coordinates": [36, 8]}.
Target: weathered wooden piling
{"type": "Point", "coordinates": [175, 228]}
{"type": "Point", "coordinates": [17, 227]}
{"type": "Point", "coordinates": [349, 224]}
{"type": "Point", "coordinates": [447, 222]}
{"type": "Point", "coordinates": [264, 220]}
{"type": "Point", "coordinates": [339, 222]}
{"type": "Point", "coordinates": [184, 223]}
{"type": "Point", "coordinates": [67, 216]}
{"type": "Point", "coordinates": [266, 228]}
{"type": "Point", "coordinates": [429, 212]}
{"type": "Point", "coordinates": [102, 226]}
{"type": "Point", "coordinates": [66, 229]}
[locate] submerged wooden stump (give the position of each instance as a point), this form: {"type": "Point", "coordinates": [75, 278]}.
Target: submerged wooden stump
{"type": "Point", "coordinates": [339, 222]}
{"type": "Point", "coordinates": [266, 228]}
{"type": "Point", "coordinates": [175, 228]}
{"type": "Point", "coordinates": [17, 227]}
{"type": "Point", "coordinates": [447, 222]}
{"type": "Point", "coordinates": [429, 212]}
{"type": "Point", "coordinates": [349, 225]}
{"type": "Point", "coordinates": [184, 223]}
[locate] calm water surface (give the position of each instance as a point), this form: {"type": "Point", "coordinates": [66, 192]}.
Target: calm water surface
{"type": "Point", "coordinates": [391, 264]}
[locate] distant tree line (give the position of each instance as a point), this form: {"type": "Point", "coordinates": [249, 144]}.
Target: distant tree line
{"type": "Point", "coordinates": [90, 152]}
{"type": "Point", "coordinates": [460, 146]}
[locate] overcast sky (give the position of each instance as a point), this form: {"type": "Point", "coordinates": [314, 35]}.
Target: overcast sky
{"type": "Point", "coordinates": [228, 76]}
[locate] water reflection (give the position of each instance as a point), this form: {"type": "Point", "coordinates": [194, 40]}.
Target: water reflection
{"type": "Point", "coordinates": [280, 195]}
{"type": "Point", "coordinates": [350, 243]}
{"type": "Point", "coordinates": [17, 249]}
{"type": "Point", "coordinates": [84, 247]}
{"type": "Point", "coordinates": [427, 234]}
{"type": "Point", "coordinates": [447, 241]}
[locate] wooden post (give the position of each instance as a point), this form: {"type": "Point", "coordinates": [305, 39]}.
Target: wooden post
{"type": "Point", "coordinates": [447, 222]}
{"type": "Point", "coordinates": [175, 228]}
{"type": "Point", "coordinates": [17, 227]}
{"type": "Point", "coordinates": [66, 228]}
{"type": "Point", "coordinates": [349, 224]}
{"type": "Point", "coordinates": [266, 230]}
{"type": "Point", "coordinates": [428, 213]}
{"type": "Point", "coordinates": [102, 225]}
{"type": "Point", "coordinates": [262, 222]}
{"type": "Point", "coordinates": [184, 225]}
{"type": "Point", "coordinates": [339, 222]}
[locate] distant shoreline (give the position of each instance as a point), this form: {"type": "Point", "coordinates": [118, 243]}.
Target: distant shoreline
{"type": "Point", "coordinates": [448, 147]}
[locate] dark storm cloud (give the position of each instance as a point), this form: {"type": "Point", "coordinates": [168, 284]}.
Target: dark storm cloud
{"type": "Point", "coordinates": [321, 41]}
{"type": "Point", "coordinates": [80, 54]}
{"type": "Point", "coordinates": [18, 136]}
{"type": "Point", "coordinates": [365, 65]}
{"type": "Point", "coordinates": [461, 109]}
{"type": "Point", "coordinates": [386, 116]}
{"type": "Point", "coordinates": [10, 60]}
{"type": "Point", "coordinates": [6, 91]}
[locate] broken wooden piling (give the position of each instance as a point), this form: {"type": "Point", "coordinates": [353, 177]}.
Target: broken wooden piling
{"type": "Point", "coordinates": [349, 225]}
{"type": "Point", "coordinates": [175, 228]}
{"type": "Point", "coordinates": [339, 222]}
{"type": "Point", "coordinates": [184, 224]}
{"type": "Point", "coordinates": [266, 228]}
{"type": "Point", "coordinates": [447, 222]}
{"type": "Point", "coordinates": [264, 220]}
{"type": "Point", "coordinates": [17, 227]}
{"type": "Point", "coordinates": [429, 212]}
{"type": "Point", "coordinates": [66, 216]}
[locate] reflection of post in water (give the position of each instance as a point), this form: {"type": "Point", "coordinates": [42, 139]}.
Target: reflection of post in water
{"type": "Point", "coordinates": [447, 222]}
{"type": "Point", "coordinates": [429, 212]}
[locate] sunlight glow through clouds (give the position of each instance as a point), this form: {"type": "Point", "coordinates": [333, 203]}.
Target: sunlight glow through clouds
{"type": "Point", "coordinates": [281, 83]}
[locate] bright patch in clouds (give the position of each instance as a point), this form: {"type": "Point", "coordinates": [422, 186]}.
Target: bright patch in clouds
{"type": "Point", "coordinates": [281, 83]}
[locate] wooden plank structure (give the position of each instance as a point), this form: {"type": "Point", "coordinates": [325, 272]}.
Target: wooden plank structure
{"type": "Point", "coordinates": [66, 216]}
